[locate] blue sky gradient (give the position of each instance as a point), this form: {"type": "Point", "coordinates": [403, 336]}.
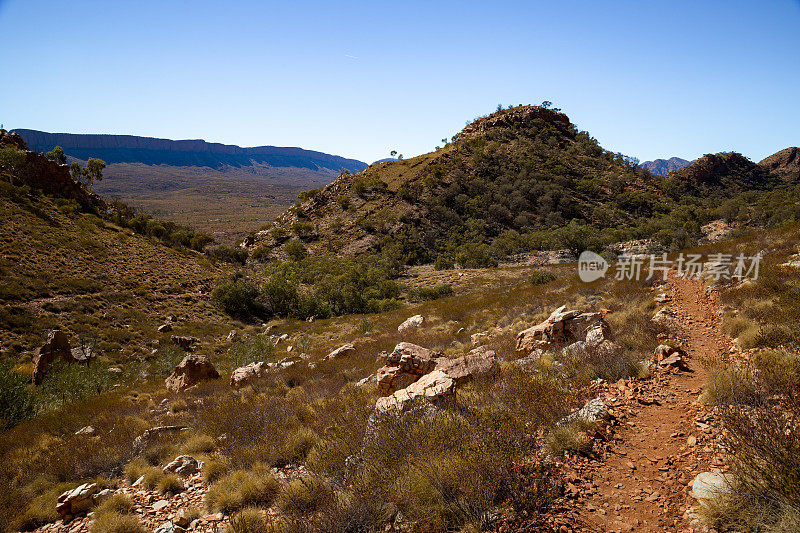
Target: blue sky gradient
{"type": "Point", "coordinates": [358, 79]}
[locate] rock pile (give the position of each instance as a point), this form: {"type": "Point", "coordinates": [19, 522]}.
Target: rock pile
{"type": "Point", "coordinates": [184, 465]}
{"type": "Point", "coordinates": [80, 500]}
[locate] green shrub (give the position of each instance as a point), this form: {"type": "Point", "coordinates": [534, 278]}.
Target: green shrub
{"type": "Point", "coordinates": [422, 294]}
{"type": "Point", "coordinates": [541, 277]}
{"type": "Point", "coordinates": [295, 250]}
{"type": "Point", "coordinates": [229, 254]}
{"type": "Point", "coordinates": [16, 401]}
{"type": "Point", "coordinates": [238, 297]}
{"type": "Point", "coordinates": [444, 262]}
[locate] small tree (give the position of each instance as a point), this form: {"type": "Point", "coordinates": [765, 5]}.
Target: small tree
{"type": "Point", "coordinates": [57, 155]}
{"type": "Point", "coordinates": [94, 170]}
{"type": "Point", "coordinates": [546, 104]}
{"type": "Point", "coordinates": [393, 153]}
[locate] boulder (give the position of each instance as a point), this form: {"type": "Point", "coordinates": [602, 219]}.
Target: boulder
{"type": "Point", "coordinates": [435, 387]}
{"type": "Point", "coordinates": [479, 362]}
{"type": "Point", "coordinates": [593, 411]}
{"type": "Point", "coordinates": [77, 501]}
{"type": "Point", "coordinates": [57, 345]}
{"type": "Point", "coordinates": [191, 371]}
{"type": "Point", "coordinates": [184, 341]}
{"type": "Point", "coordinates": [664, 316]}
{"type": "Point", "coordinates": [664, 350]}
{"type": "Point", "coordinates": [708, 485]}
{"type": "Point", "coordinates": [413, 322]}
{"type": "Point", "coordinates": [342, 351]}
{"type": "Point", "coordinates": [247, 374]}
{"type": "Point", "coordinates": [440, 384]}
{"type": "Point", "coordinates": [675, 361]}
{"type": "Point", "coordinates": [184, 465]}
{"type": "Point", "coordinates": [406, 364]}
{"type": "Point", "coordinates": [562, 327]}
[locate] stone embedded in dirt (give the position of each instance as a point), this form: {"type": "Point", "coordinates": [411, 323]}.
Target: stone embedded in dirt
{"type": "Point", "coordinates": [77, 501]}
{"type": "Point", "coordinates": [231, 336]}
{"type": "Point", "coordinates": [87, 430]}
{"type": "Point", "coordinates": [165, 328]}
{"type": "Point", "coordinates": [593, 411]}
{"type": "Point", "coordinates": [191, 371]}
{"type": "Point", "coordinates": [347, 349]}
{"type": "Point", "coordinates": [169, 527]}
{"type": "Point", "coordinates": [663, 298]}
{"type": "Point", "coordinates": [184, 465]}
{"type": "Point", "coordinates": [664, 316]}
{"type": "Point", "coordinates": [664, 350]}
{"type": "Point", "coordinates": [709, 485]}
{"type": "Point", "coordinates": [675, 361]}
{"type": "Point", "coordinates": [562, 328]}
{"type": "Point", "coordinates": [413, 322]}
{"type": "Point", "coordinates": [247, 374]}
{"type": "Point", "coordinates": [184, 341]}
{"type": "Point", "coordinates": [406, 364]}
{"type": "Point", "coordinates": [57, 345]}
{"type": "Point", "coordinates": [160, 504]}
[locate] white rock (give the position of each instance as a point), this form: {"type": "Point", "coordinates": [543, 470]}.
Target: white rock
{"type": "Point", "coordinates": [709, 485]}
{"type": "Point", "coordinates": [413, 322]}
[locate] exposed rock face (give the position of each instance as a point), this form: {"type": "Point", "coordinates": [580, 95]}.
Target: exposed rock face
{"type": "Point", "coordinates": [184, 341]}
{"type": "Point", "coordinates": [561, 328]}
{"type": "Point", "coordinates": [522, 117]}
{"type": "Point", "coordinates": [191, 371]}
{"type": "Point", "coordinates": [184, 465]}
{"type": "Point", "coordinates": [57, 345]}
{"type": "Point", "coordinates": [662, 167]}
{"type": "Point", "coordinates": [247, 374]}
{"type": "Point", "coordinates": [439, 385]}
{"type": "Point", "coordinates": [406, 364]}
{"type": "Point", "coordinates": [785, 164]}
{"type": "Point", "coordinates": [342, 351]}
{"type": "Point", "coordinates": [413, 322]}
{"type": "Point", "coordinates": [77, 501]}
{"type": "Point", "coordinates": [12, 138]}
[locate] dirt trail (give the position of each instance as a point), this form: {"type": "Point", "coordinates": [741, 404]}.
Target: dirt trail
{"type": "Point", "coordinates": [640, 483]}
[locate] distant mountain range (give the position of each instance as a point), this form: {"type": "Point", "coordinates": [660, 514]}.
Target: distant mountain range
{"type": "Point", "coordinates": [662, 167]}
{"type": "Point", "coordinates": [224, 189]}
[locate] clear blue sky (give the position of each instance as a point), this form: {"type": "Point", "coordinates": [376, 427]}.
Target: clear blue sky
{"type": "Point", "coordinates": [649, 79]}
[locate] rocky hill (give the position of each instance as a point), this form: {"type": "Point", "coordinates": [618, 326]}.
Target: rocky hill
{"type": "Point", "coordinates": [723, 174]}
{"type": "Point", "coordinates": [785, 164]}
{"type": "Point", "coordinates": [519, 179]}
{"type": "Point", "coordinates": [662, 167]}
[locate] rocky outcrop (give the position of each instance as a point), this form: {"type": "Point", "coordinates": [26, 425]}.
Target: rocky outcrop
{"type": "Point", "coordinates": [411, 323]}
{"type": "Point", "coordinates": [57, 346]}
{"type": "Point", "coordinates": [184, 341]}
{"type": "Point", "coordinates": [785, 164]}
{"type": "Point", "coordinates": [245, 375]}
{"type": "Point", "coordinates": [342, 351]}
{"type": "Point", "coordinates": [191, 371]}
{"type": "Point", "coordinates": [80, 500]}
{"type": "Point", "coordinates": [662, 167]}
{"type": "Point", "coordinates": [563, 327]}
{"type": "Point", "coordinates": [518, 118]}
{"type": "Point", "coordinates": [439, 384]}
{"type": "Point", "coordinates": [184, 465]}
{"type": "Point", "coordinates": [405, 365]}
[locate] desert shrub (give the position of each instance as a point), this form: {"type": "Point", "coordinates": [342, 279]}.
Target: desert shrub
{"type": "Point", "coordinates": [238, 297]}
{"type": "Point", "coordinates": [295, 250]}
{"type": "Point", "coordinates": [200, 444]}
{"type": "Point", "coordinates": [300, 443]}
{"type": "Point", "coordinates": [117, 523]}
{"type": "Point", "coordinates": [241, 488]}
{"type": "Point", "coordinates": [116, 503]}
{"type": "Point", "coordinates": [344, 202]}
{"type": "Point", "coordinates": [305, 495]}
{"type": "Point", "coordinates": [16, 401]}
{"type": "Point", "coordinates": [214, 469]}
{"type": "Point", "coordinates": [152, 477]}
{"type": "Point", "coordinates": [135, 469]}
{"type": "Point", "coordinates": [170, 484]}
{"type": "Point", "coordinates": [248, 520]}
{"type": "Point", "coordinates": [229, 254]}
{"type": "Point", "coordinates": [571, 438]}
{"type": "Point", "coordinates": [421, 294]}
{"type": "Point", "coordinates": [540, 277]}
{"type": "Point", "coordinates": [41, 509]}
